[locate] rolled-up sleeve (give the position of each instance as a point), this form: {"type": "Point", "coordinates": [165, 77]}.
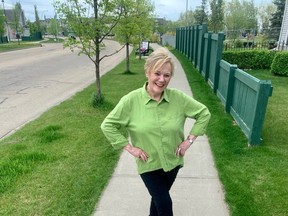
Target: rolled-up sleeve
{"type": "Point", "coordinates": [200, 113]}
{"type": "Point", "coordinates": [112, 124]}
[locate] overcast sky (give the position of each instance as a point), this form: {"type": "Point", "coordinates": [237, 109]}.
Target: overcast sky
{"type": "Point", "coordinates": [169, 9]}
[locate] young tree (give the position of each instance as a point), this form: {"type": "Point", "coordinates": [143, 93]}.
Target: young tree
{"type": "Point", "coordinates": [91, 21]}
{"type": "Point", "coordinates": [37, 19]}
{"type": "Point", "coordinates": [16, 24]}
{"type": "Point", "coordinates": [135, 25]}
{"type": "Point", "coordinates": [53, 28]}
{"type": "Point", "coordinates": [217, 15]}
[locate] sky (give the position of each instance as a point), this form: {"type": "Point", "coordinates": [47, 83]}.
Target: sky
{"type": "Point", "coordinates": [168, 9]}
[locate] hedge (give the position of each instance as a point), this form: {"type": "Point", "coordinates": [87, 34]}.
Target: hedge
{"type": "Point", "coordinates": [250, 59]}
{"type": "Point", "coordinates": [279, 65]}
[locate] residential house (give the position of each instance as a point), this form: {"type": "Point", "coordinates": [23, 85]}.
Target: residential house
{"type": "Point", "coordinates": [10, 31]}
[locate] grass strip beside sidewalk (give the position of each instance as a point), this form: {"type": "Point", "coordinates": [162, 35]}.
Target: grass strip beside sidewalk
{"type": "Point", "coordinates": [60, 163]}
{"type": "Point", "coordinates": [255, 178]}
{"type": "Point", "coordinates": [12, 46]}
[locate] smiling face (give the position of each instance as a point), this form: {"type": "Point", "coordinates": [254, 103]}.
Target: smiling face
{"type": "Point", "coordinates": [158, 80]}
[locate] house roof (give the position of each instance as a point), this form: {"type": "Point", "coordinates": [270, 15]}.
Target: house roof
{"type": "Point", "coordinates": [10, 16]}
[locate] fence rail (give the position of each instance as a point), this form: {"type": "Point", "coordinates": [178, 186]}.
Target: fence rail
{"type": "Point", "coordinates": [243, 96]}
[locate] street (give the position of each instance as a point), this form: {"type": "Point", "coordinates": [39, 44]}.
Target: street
{"type": "Point", "coordinates": [34, 80]}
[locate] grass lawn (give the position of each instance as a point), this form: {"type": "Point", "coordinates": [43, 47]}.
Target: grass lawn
{"type": "Point", "coordinates": [15, 46]}
{"type": "Point", "coordinates": [59, 163]}
{"type": "Point", "coordinates": [255, 178]}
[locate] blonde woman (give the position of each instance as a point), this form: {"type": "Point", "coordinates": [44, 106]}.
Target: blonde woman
{"type": "Point", "coordinates": [154, 117]}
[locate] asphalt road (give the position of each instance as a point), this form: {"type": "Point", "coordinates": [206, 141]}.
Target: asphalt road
{"type": "Point", "coordinates": [34, 80]}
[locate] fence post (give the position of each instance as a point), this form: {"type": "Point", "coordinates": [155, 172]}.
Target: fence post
{"type": "Point", "coordinates": [201, 46]}
{"type": "Point", "coordinates": [182, 39]}
{"type": "Point", "coordinates": [186, 41]}
{"type": "Point", "coordinates": [192, 43]}
{"type": "Point", "coordinates": [208, 56]}
{"type": "Point", "coordinates": [195, 45]}
{"type": "Point", "coordinates": [177, 39]}
{"type": "Point", "coordinates": [189, 43]}
{"type": "Point", "coordinates": [230, 88]}
{"type": "Point", "coordinates": [265, 91]}
{"type": "Point", "coordinates": [218, 57]}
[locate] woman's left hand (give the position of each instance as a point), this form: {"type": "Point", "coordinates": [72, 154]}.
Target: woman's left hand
{"type": "Point", "coordinates": [182, 148]}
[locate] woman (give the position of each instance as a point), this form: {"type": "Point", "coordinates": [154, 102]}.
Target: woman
{"type": "Point", "coordinates": [154, 117]}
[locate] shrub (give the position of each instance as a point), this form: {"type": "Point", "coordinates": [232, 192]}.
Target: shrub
{"type": "Point", "coordinates": [250, 59]}
{"type": "Point", "coordinates": [280, 64]}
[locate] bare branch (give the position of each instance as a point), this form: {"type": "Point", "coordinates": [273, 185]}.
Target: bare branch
{"type": "Point", "coordinates": [112, 53]}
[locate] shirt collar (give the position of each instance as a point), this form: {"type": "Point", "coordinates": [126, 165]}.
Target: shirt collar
{"type": "Point", "coordinates": [147, 98]}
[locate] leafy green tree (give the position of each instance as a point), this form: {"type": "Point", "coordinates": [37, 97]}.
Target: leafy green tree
{"type": "Point", "coordinates": [250, 10]}
{"type": "Point", "coordinates": [135, 24]}
{"type": "Point", "coordinates": [2, 23]}
{"type": "Point", "coordinates": [17, 18]}
{"type": "Point", "coordinates": [186, 19]}
{"type": "Point", "coordinates": [32, 27]}
{"type": "Point", "coordinates": [265, 12]}
{"type": "Point", "coordinates": [200, 14]}
{"type": "Point", "coordinates": [37, 20]}
{"type": "Point", "coordinates": [276, 19]}
{"type": "Point", "coordinates": [216, 19]}
{"type": "Point", "coordinates": [53, 27]}
{"type": "Point", "coordinates": [91, 21]}
{"type": "Point", "coordinates": [240, 16]}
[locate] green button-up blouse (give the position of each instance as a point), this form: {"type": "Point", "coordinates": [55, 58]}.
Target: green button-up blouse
{"type": "Point", "coordinates": [155, 127]}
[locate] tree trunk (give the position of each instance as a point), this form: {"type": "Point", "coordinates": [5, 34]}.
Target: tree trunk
{"type": "Point", "coordinates": [127, 58]}
{"type": "Point", "coordinates": [97, 57]}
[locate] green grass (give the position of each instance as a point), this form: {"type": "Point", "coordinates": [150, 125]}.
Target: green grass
{"type": "Point", "coordinates": [60, 163]}
{"type": "Point", "coordinates": [15, 46]}
{"type": "Point", "coordinates": [255, 178]}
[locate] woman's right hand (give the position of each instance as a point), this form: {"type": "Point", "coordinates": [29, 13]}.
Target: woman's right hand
{"type": "Point", "coordinates": [136, 152]}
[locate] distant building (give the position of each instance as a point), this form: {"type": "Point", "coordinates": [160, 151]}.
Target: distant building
{"type": "Point", "coordinates": [283, 38]}
{"type": "Point", "coordinates": [10, 31]}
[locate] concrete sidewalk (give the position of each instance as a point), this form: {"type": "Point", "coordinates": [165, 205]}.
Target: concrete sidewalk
{"type": "Point", "coordinates": [196, 191]}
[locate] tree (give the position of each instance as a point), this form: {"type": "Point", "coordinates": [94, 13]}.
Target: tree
{"type": "Point", "coordinates": [251, 21]}
{"type": "Point", "coordinates": [200, 14]}
{"type": "Point", "coordinates": [2, 23]}
{"type": "Point", "coordinates": [265, 11]}
{"type": "Point", "coordinates": [240, 17]}
{"type": "Point", "coordinates": [91, 27]}
{"type": "Point", "coordinates": [37, 19]}
{"type": "Point", "coordinates": [216, 19]}
{"type": "Point", "coordinates": [276, 19]}
{"type": "Point", "coordinates": [53, 28]}
{"type": "Point", "coordinates": [17, 18]}
{"type": "Point", "coordinates": [186, 18]}
{"type": "Point", "coordinates": [135, 25]}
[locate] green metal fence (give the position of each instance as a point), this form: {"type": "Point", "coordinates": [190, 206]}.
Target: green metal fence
{"type": "Point", "coordinates": [3, 39]}
{"type": "Point", "coordinates": [243, 96]}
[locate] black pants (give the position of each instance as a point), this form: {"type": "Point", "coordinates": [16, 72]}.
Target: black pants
{"type": "Point", "coordinates": [158, 184]}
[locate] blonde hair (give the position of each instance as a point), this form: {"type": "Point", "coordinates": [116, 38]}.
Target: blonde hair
{"type": "Point", "coordinates": [157, 59]}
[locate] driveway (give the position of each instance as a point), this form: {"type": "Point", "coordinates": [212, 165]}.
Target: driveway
{"type": "Point", "coordinates": [34, 80]}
